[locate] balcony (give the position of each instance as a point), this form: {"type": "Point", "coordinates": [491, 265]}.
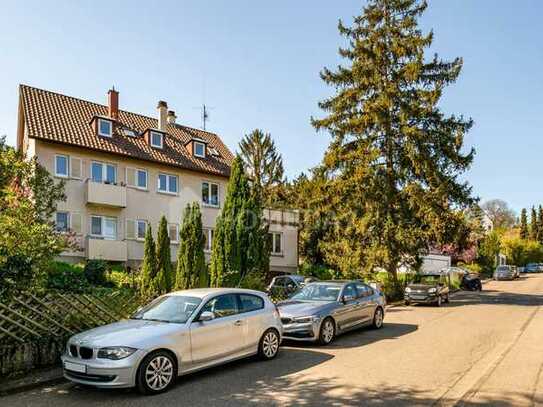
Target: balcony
{"type": "Point", "coordinates": [105, 195]}
{"type": "Point", "coordinates": [110, 250]}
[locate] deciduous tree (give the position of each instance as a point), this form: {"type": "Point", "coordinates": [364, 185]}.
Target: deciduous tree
{"type": "Point", "coordinates": [500, 214]}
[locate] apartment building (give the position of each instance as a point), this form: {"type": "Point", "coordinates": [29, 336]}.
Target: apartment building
{"type": "Point", "coordinates": [123, 171]}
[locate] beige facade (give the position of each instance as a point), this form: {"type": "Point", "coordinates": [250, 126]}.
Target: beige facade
{"type": "Point", "coordinates": [116, 209]}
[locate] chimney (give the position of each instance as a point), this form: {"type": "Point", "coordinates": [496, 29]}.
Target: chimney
{"type": "Point", "coordinates": [162, 115]}
{"type": "Point", "coordinates": [113, 104]}
{"type": "Point", "coordinates": [171, 117]}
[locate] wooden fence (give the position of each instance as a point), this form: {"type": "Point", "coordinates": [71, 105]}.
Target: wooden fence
{"type": "Point", "coordinates": [34, 326]}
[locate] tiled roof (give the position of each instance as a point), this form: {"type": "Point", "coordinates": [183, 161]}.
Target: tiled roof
{"type": "Point", "coordinates": [64, 119]}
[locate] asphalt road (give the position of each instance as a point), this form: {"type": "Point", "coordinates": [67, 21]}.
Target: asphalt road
{"type": "Point", "coordinates": [481, 349]}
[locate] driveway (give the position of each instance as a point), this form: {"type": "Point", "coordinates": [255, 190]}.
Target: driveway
{"type": "Point", "coordinates": [481, 349]}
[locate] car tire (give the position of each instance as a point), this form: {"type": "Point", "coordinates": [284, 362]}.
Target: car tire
{"type": "Point", "coordinates": [446, 301]}
{"type": "Point", "coordinates": [268, 347]}
{"type": "Point", "coordinates": [378, 318]}
{"type": "Point", "coordinates": [157, 372]}
{"type": "Point", "coordinates": [407, 303]}
{"type": "Point", "coordinates": [327, 331]}
{"type": "Point", "coordinates": [438, 302]}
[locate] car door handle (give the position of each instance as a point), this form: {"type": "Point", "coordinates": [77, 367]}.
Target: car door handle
{"type": "Point", "coordinates": [238, 323]}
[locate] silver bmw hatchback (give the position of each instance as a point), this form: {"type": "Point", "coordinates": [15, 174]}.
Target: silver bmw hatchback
{"type": "Point", "coordinates": [176, 334]}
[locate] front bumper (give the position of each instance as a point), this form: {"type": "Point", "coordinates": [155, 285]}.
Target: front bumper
{"type": "Point", "coordinates": [302, 331]}
{"type": "Point", "coordinates": [421, 298]}
{"type": "Point", "coordinates": [508, 277]}
{"type": "Point", "coordinates": [105, 373]}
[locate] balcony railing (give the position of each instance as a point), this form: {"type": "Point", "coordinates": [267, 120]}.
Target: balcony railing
{"type": "Point", "coordinates": [110, 250]}
{"type": "Point", "coordinates": [105, 194]}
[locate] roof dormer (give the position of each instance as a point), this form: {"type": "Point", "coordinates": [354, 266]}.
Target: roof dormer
{"type": "Point", "coordinates": [197, 147]}
{"type": "Point", "coordinates": [155, 138]}
{"type": "Point", "coordinates": [103, 126]}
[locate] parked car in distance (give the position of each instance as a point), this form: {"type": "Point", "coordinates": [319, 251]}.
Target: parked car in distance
{"type": "Point", "coordinates": [504, 272]}
{"type": "Point", "coordinates": [471, 281]}
{"type": "Point", "coordinates": [532, 268]}
{"type": "Point", "coordinates": [428, 288]}
{"type": "Point", "coordinates": [322, 310]}
{"type": "Point", "coordinates": [175, 334]}
{"type": "Point", "coordinates": [516, 271]}
{"type": "Point", "coordinates": [286, 284]}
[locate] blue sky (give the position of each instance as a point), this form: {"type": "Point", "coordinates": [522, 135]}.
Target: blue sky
{"type": "Point", "coordinates": [256, 64]}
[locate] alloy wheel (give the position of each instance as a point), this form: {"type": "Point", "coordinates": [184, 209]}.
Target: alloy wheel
{"type": "Point", "coordinates": [378, 318]}
{"type": "Point", "coordinates": [328, 331]}
{"type": "Point", "coordinates": [270, 344]}
{"type": "Point", "coordinates": [159, 373]}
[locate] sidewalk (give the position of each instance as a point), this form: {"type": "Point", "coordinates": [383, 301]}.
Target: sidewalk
{"type": "Point", "coordinates": [37, 378]}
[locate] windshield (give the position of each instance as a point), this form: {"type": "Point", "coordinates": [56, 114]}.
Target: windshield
{"type": "Point", "coordinates": [427, 279]}
{"type": "Point", "coordinates": [503, 268]}
{"type": "Point", "coordinates": [318, 292]}
{"type": "Point", "coordinates": [170, 308]}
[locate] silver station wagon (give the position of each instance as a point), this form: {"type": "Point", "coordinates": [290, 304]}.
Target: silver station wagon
{"type": "Point", "coordinates": [324, 309]}
{"type": "Point", "coordinates": [177, 333]}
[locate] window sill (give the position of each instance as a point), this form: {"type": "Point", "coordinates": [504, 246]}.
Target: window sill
{"type": "Point", "coordinates": [138, 188]}
{"type": "Point", "coordinates": [204, 205]}
{"type": "Point", "coordinates": [62, 176]}
{"type": "Point", "coordinates": [277, 254]}
{"type": "Point", "coordinates": [168, 193]}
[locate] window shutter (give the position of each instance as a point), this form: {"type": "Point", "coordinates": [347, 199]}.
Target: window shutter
{"type": "Point", "coordinates": [130, 229]}
{"type": "Point", "coordinates": [76, 223]}
{"type": "Point", "coordinates": [75, 167]}
{"type": "Point", "coordinates": [131, 177]}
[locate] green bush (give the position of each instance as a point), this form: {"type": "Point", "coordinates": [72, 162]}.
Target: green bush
{"type": "Point", "coordinates": [121, 279]}
{"type": "Point", "coordinates": [95, 272]}
{"type": "Point", "coordinates": [253, 281]}
{"type": "Point", "coordinates": [66, 277]}
{"type": "Point", "coordinates": [318, 271]}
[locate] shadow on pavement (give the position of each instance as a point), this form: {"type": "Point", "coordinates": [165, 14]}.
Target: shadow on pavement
{"type": "Point", "coordinates": [495, 297]}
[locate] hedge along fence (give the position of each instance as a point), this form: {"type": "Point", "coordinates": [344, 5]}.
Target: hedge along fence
{"type": "Point", "coordinates": [34, 326]}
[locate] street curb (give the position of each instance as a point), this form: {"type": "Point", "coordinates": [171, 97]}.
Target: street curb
{"type": "Point", "coordinates": [32, 381]}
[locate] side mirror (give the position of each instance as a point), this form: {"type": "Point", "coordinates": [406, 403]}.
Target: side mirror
{"type": "Point", "coordinates": [346, 298]}
{"type": "Point", "coordinates": [206, 316]}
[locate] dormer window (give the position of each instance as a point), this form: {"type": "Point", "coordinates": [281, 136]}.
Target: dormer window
{"type": "Point", "coordinates": [105, 128]}
{"type": "Point", "coordinates": [199, 149]}
{"type": "Point", "coordinates": [157, 139]}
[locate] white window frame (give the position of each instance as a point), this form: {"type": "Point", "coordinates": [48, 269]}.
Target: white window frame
{"type": "Point", "coordinates": [102, 227]}
{"type": "Point", "coordinates": [209, 238]}
{"type": "Point", "coordinates": [110, 134]}
{"type": "Point", "coordinates": [203, 147]}
{"type": "Point", "coordinates": [138, 221]}
{"type": "Point", "coordinates": [167, 190]}
{"type": "Point", "coordinates": [57, 174]}
{"type": "Point", "coordinates": [68, 221]}
{"type": "Point", "coordinates": [104, 171]}
{"type": "Point", "coordinates": [161, 145]}
{"type": "Point", "coordinates": [209, 183]}
{"type": "Point", "coordinates": [272, 249]}
{"type": "Point", "coordinates": [176, 241]}
{"type": "Point", "coordinates": [138, 170]}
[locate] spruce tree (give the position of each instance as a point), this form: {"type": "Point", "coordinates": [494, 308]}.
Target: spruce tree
{"type": "Point", "coordinates": [540, 224]}
{"type": "Point", "coordinates": [261, 160]}
{"type": "Point", "coordinates": [533, 224]}
{"type": "Point", "coordinates": [191, 265]}
{"type": "Point", "coordinates": [164, 278]}
{"type": "Point", "coordinates": [395, 158]}
{"type": "Point", "coordinates": [524, 224]}
{"type": "Point", "coordinates": [240, 238]}
{"type": "Point", "coordinates": [148, 268]}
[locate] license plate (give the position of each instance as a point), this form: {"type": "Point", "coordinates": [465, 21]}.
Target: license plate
{"type": "Point", "coordinates": [75, 367]}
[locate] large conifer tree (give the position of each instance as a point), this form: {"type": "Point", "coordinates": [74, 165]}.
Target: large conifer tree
{"type": "Point", "coordinates": [240, 239]}
{"type": "Point", "coordinates": [164, 278]}
{"type": "Point", "coordinates": [524, 224]}
{"type": "Point", "coordinates": [191, 265]}
{"type": "Point", "coordinates": [395, 158]}
{"type": "Point", "coordinates": [148, 269]}
{"type": "Point", "coordinates": [534, 228]}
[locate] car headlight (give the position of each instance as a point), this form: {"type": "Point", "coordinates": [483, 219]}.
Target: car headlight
{"type": "Point", "coordinates": [115, 352]}
{"type": "Point", "coordinates": [407, 289]}
{"type": "Point", "coordinates": [432, 290]}
{"type": "Point", "coordinates": [311, 318]}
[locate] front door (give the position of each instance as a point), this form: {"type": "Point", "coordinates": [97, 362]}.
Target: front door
{"type": "Point", "coordinates": [222, 337]}
{"type": "Point", "coordinates": [367, 302]}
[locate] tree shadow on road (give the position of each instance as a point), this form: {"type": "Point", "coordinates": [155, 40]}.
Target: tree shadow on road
{"type": "Point", "coordinates": [489, 297]}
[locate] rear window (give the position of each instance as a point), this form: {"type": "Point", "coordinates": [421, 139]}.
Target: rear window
{"type": "Point", "coordinates": [250, 302]}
